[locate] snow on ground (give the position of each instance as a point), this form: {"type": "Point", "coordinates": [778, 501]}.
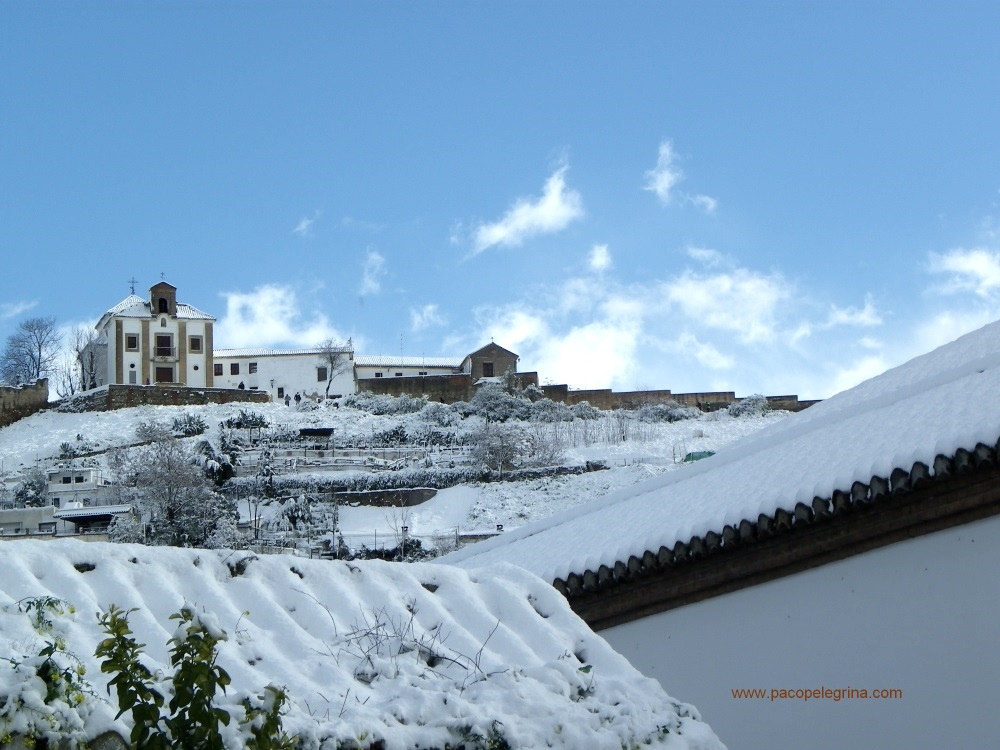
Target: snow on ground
{"type": "Point", "coordinates": [932, 405]}
{"type": "Point", "coordinates": [415, 655]}
{"type": "Point", "coordinates": [651, 450]}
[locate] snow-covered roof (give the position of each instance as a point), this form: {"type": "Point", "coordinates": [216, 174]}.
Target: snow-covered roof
{"type": "Point", "coordinates": [135, 306]}
{"type": "Point", "coordinates": [380, 360]}
{"type": "Point", "coordinates": [92, 510]}
{"type": "Point", "coordinates": [402, 655]}
{"type": "Point", "coordinates": [264, 352]}
{"type": "Point", "coordinates": [933, 405]}
{"type": "Point", "coordinates": [132, 306]}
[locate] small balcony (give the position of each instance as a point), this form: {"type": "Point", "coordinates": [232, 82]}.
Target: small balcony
{"type": "Point", "coordinates": [164, 353]}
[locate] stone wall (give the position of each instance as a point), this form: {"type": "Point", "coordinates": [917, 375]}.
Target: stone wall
{"type": "Point", "coordinates": [17, 402]}
{"type": "Point", "coordinates": [125, 396]}
{"type": "Point", "coordinates": [446, 389]}
{"type": "Point", "coordinates": [451, 388]}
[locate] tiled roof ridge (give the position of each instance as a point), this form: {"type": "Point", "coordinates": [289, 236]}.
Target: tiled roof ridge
{"type": "Point", "coordinates": [782, 522]}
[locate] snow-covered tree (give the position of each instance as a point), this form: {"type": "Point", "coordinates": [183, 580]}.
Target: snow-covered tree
{"type": "Point", "coordinates": [32, 491]}
{"type": "Point", "coordinates": [171, 493]}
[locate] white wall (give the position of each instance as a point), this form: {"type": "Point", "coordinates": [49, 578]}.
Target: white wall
{"type": "Point", "coordinates": [295, 373]}
{"type": "Point", "coordinates": [922, 616]}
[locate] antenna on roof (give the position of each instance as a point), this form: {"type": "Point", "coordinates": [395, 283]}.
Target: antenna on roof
{"type": "Point", "coordinates": [132, 282]}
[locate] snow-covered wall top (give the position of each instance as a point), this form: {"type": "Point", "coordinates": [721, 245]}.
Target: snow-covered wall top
{"type": "Point", "coordinates": [409, 654]}
{"type": "Point", "coordinates": [934, 404]}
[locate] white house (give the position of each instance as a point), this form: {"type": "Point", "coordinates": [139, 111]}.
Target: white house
{"type": "Point", "coordinates": [154, 340]}
{"type": "Point", "coordinates": [285, 372]}
{"type": "Point", "coordinates": [86, 486]}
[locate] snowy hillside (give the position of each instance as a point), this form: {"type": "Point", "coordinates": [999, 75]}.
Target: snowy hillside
{"type": "Point", "coordinates": [369, 653]}
{"type": "Point", "coordinates": [650, 450]}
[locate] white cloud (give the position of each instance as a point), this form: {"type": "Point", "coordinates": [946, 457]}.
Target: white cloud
{"type": "Point", "coordinates": [705, 354]}
{"type": "Point", "coordinates": [304, 227]}
{"type": "Point", "coordinates": [552, 212]}
{"type": "Point", "coordinates": [974, 270]}
{"type": "Point", "coordinates": [707, 256]}
{"type": "Point", "coordinates": [425, 317]}
{"type": "Point", "coordinates": [599, 259]}
{"type": "Point", "coordinates": [374, 270]}
{"type": "Point", "coordinates": [706, 203]}
{"type": "Point", "coordinates": [662, 178]}
{"type": "Point", "coordinates": [852, 316]}
{"type": "Point", "coordinates": [270, 316]}
{"type": "Point", "coordinates": [13, 309]}
{"type": "Point", "coordinates": [741, 301]}
{"type": "Point", "coordinates": [666, 176]}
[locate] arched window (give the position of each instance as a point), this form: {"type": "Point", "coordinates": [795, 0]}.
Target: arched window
{"type": "Point", "coordinates": [163, 322]}
{"type": "Point", "coordinates": [164, 305]}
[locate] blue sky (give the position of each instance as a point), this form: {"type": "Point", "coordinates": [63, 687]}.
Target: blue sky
{"type": "Point", "coordinates": [776, 197]}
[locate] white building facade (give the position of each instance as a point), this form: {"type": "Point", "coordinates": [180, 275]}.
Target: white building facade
{"type": "Point", "coordinates": [286, 372]}
{"type": "Point", "coordinates": [155, 340]}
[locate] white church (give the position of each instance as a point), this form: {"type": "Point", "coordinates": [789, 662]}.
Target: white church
{"type": "Point", "coordinates": [158, 340]}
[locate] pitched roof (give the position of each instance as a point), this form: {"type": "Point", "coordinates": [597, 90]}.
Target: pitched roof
{"type": "Point", "coordinates": [262, 352]}
{"type": "Point", "coordinates": [851, 446]}
{"type": "Point", "coordinates": [135, 306]}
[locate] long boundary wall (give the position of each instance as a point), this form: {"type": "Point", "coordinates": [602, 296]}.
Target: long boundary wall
{"type": "Point", "coordinates": [451, 388]}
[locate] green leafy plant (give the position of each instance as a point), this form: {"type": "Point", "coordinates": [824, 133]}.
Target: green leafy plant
{"type": "Point", "coordinates": [191, 720]}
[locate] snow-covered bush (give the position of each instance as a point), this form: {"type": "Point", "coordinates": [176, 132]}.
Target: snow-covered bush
{"type": "Point", "coordinates": [189, 425]}
{"type": "Point", "coordinates": [440, 414]}
{"type": "Point", "coordinates": [493, 403]}
{"type": "Point", "coordinates": [375, 403]}
{"type": "Point", "coordinates": [751, 406]}
{"type": "Point", "coordinates": [669, 411]}
{"type": "Point", "coordinates": [584, 410]}
{"type": "Point", "coordinates": [546, 410]}
{"type": "Point", "coordinates": [125, 529]}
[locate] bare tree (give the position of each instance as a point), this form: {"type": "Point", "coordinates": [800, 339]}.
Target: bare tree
{"type": "Point", "coordinates": [336, 358]}
{"type": "Point", "coordinates": [31, 351]}
{"type": "Point", "coordinates": [64, 375]}
{"type": "Point", "coordinates": [85, 340]}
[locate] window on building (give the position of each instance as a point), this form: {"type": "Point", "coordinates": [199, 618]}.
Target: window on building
{"type": "Point", "coordinates": [78, 479]}
{"type": "Point", "coordinates": [487, 369]}
{"type": "Point", "coordinates": [398, 374]}
{"type": "Point", "coordinates": [47, 527]}
{"type": "Point", "coordinates": [55, 502]}
{"type": "Point", "coordinates": [133, 378]}
{"type": "Point", "coordinates": [422, 372]}
{"type": "Point", "coordinates": [253, 368]}
{"type": "Point", "coordinates": [234, 368]}
{"type": "Point", "coordinates": [163, 322]}
{"type": "Point", "coordinates": [67, 480]}
{"type": "Point", "coordinates": [217, 368]}
{"type": "Point", "coordinates": [378, 374]}
{"type": "Point", "coordinates": [194, 344]}
{"type": "Point", "coordinates": [164, 345]}
{"type": "Point", "coordinates": [281, 392]}
{"type": "Point", "coordinates": [321, 374]}
{"type": "Point", "coordinates": [132, 342]}
{"type": "Point", "coordinates": [164, 305]}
